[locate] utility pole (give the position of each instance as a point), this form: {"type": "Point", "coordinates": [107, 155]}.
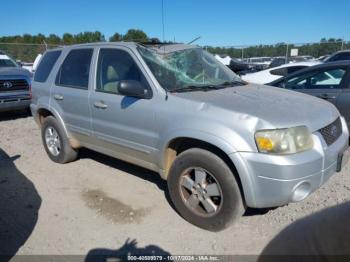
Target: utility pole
{"type": "Point", "coordinates": [163, 26]}
{"type": "Point", "coordinates": [287, 54]}
{"type": "Point", "coordinates": [242, 53]}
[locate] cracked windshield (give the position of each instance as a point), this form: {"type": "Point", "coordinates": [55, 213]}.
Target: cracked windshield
{"type": "Point", "coordinates": [188, 69]}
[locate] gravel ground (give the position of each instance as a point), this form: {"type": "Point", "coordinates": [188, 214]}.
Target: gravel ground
{"type": "Point", "coordinates": [99, 203]}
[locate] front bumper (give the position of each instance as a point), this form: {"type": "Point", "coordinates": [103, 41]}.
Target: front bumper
{"type": "Point", "coordinates": [15, 102]}
{"type": "Point", "coordinates": [272, 180]}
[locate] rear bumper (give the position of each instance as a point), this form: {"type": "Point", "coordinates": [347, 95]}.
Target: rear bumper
{"type": "Point", "coordinates": [16, 102]}
{"type": "Point", "coordinates": [271, 180]}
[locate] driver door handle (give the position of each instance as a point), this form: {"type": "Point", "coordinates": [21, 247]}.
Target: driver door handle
{"type": "Point", "coordinates": [100, 105]}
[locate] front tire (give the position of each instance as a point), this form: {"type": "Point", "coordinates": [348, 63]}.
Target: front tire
{"type": "Point", "coordinates": [204, 190]}
{"type": "Point", "coordinates": [56, 142]}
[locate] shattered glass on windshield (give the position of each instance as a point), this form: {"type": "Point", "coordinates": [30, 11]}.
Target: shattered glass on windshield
{"type": "Point", "coordinates": [188, 68]}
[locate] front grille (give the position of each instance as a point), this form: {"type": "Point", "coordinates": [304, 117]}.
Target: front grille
{"type": "Point", "coordinates": [13, 85]}
{"type": "Point", "coordinates": [332, 132]}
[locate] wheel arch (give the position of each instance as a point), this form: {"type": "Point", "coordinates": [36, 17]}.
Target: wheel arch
{"type": "Point", "coordinates": [177, 145]}
{"type": "Point", "coordinates": [42, 112]}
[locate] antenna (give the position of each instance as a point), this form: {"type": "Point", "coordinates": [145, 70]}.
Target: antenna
{"type": "Point", "coordinates": [194, 40]}
{"type": "Point", "coordinates": [163, 20]}
{"type": "Point", "coordinates": [45, 44]}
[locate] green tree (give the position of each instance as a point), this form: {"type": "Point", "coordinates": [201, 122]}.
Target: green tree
{"type": "Point", "coordinates": [54, 39]}
{"type": "Point", "coordinates": [89, 37]}
{"type": "Point", "coordinates": [135, 35]}
{"type": "Point", "coordinates": [115, 38]}
{"type": "Point", "coordinates": [68, 39]}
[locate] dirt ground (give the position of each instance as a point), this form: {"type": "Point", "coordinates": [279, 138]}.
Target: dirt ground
{"type": "Point", "coordinates": [101, 204]}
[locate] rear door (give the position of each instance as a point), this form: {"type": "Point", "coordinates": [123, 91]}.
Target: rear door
{"type": "Point", "coordinates": [325, 83]}
{"type": "Point", "coordinates": [70, 92]}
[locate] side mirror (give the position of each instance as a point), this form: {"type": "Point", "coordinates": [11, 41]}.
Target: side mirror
{"type": "Point", "coordinates": [19, 63]}
{"type": "Point", "coordinates": [132, 88]}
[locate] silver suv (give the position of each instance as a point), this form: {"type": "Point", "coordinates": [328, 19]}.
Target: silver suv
{"type": "Point", "coordinates": [221, 144]}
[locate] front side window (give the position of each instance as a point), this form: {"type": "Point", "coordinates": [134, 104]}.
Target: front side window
{"type": "Point", "coordinates": [187, 69]}
{"type": "Point", "coordinates": [46, 64]}
{"type": "Point", "coordinates": [341, 57]}
{"type": "Point", "coordinates": [115, 65]}
{"type": "Point", "coordinates": [74, 71]}
{"type": "Point", "coordinates": [324, 79]}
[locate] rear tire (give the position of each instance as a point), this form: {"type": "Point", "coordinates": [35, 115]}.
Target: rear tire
{"type": "Point", "coordinates": [204, 190]}
{"type": "Point", "coordinates": [56, 142]}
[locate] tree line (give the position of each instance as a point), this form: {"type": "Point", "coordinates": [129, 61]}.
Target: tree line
{"type": "Point", "coordinates": [324, 47]}
{"type": "Point", "coordinates": [26, 47]}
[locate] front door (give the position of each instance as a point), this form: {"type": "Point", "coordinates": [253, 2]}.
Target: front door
{"type": "Point", "coordinates": [123, 126]}
{"type": "Point", "coordinates": [324, 83]}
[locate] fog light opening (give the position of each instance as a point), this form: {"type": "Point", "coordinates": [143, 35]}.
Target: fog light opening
{"type": "Point", "coordinates": [301, 191]}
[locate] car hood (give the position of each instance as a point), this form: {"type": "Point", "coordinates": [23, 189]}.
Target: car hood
{"type": "Point", "coordinates": [275, 107]}
{"type": "Point", "coordinates": [14, 71]}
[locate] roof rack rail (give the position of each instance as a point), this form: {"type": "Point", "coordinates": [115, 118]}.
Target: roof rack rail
{"type": "Point", "coordinates": [155, 42]}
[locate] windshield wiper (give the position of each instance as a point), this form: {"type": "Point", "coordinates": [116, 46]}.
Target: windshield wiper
{"type": "Point", "coordinates": [191, 88]}
{"type": "Point", "coordinates": [233, 83]}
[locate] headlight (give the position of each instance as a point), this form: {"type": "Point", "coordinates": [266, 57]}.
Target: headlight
{"type": "Point", "coordinates": [284, 141]}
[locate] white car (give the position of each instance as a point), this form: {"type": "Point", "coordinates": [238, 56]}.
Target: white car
{"type": "Point", "coordinates": [225, 60]}
{"type": "Point", "coordinates": [272, 74]}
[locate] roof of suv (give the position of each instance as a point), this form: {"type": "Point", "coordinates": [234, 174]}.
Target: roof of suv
{"type": "Point", "coordinates": [158, 47]}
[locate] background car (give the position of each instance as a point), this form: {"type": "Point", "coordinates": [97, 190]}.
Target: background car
{"type": "Point", "coordinates": [329, 81]}
{"type": "Point", "coordinates": [338, 56]}
{"type": "Point", "coordinates": [241, 67]}
{"type": "Point", "coordinates": [271, 74]}
{"type": "Point", "coordinates": [14, 85]}
{"type": "Point", "coordinates": [281, 60]}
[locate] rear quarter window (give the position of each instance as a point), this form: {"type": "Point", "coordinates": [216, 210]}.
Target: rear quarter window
{"type": "Point", "coordinates": [45, 66]}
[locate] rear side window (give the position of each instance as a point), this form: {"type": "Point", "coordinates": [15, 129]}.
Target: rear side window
{"type": "Point", "coordinates": [46, 65]}
{"type": "Point", "coordinates": [75, 69]}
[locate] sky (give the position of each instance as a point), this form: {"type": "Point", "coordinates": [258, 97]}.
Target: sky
{"type": "Point", "coordinates": [218, 23]}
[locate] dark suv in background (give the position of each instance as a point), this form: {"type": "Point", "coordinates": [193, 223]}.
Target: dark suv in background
{"type": "Point", "coordinates": [343, 55]}
{"type": "Point", "coordinates": [14, 85]}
